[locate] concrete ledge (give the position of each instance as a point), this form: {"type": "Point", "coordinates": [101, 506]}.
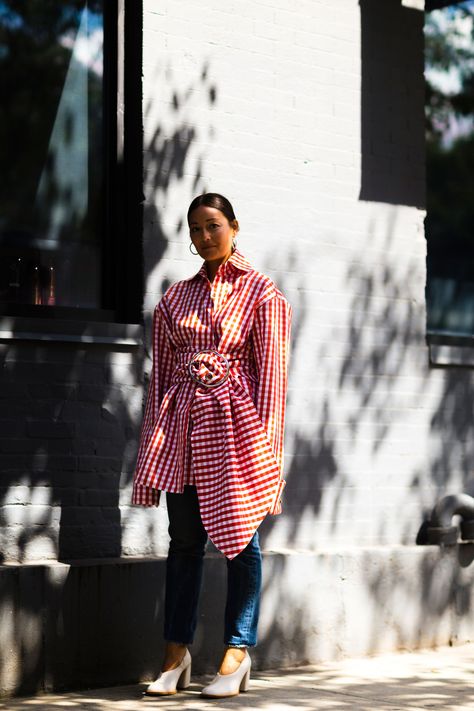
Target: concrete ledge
{"type": "Point", "coordinates": [98, 623]}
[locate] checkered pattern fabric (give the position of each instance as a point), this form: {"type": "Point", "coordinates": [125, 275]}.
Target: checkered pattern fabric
{"type": "Point", "coordinates": [227, 440]}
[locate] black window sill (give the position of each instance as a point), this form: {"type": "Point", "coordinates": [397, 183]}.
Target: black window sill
{"type": "Point", "coordinates": [20, 328]}
{"type": "Point", "coordinates": [450, 349]}
{"type": "Point", "coordinates": [68, 313]}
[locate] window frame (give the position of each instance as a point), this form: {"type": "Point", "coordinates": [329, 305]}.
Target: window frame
{"type": "Point", "coordinates": [122, 222]}
{"type": "Point", "coordinates": [446, 348]}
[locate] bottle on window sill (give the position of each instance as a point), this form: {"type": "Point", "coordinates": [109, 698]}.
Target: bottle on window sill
{"type": "Point", "coordinates": [37, 297]}
{"type": "Point", "coordinates": [52, 288]}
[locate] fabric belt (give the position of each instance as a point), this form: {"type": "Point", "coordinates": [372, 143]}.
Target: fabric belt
{"type": "Point", "coordinates": [208, 368]}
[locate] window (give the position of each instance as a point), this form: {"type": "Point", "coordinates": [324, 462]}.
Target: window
{"type": "Point", "coordinates": [61, 156]}
{"type": "Point", "coordinates": [449, 32]}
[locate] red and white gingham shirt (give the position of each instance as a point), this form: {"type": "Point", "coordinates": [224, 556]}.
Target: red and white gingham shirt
{"type": "Point", "coordinates": [226, 440]}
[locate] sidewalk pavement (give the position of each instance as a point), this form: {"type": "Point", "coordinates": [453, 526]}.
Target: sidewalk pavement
{"type": "Point", "coordinates": [441, 679]}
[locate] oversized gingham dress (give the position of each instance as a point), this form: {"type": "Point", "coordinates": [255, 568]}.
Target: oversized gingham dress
{"type": "Point", "coordinates": [227, 440]}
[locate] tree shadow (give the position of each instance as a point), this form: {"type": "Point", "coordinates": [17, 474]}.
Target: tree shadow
{"type": "Point", "coordinates": [72, 418]}
{"type": "Point", "coordinates": [71, 415]}
{"type": "Point", "coordinates": [365, 392]}
{"type": "Point", "coordinates": [348, 388]}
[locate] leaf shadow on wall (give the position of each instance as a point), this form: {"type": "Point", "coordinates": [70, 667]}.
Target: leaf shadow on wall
{"type": "Point", "coordinates": [67, 449]}
{"type": "Point", "coordinates": [168, 160]}
{"type": "Point", "coordinates": [362, 395]}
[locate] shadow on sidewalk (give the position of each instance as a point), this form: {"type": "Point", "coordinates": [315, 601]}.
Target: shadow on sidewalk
{"type": "Point", "coordinates": [441, 680]}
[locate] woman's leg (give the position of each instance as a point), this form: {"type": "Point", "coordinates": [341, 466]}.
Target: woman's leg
{"type": "Point", "coordinates": [183, 567]}
{"type": "Point", "coordinates": [244, 582]}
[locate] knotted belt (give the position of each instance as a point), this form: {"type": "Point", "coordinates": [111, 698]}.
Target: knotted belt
{"type": "Point", "coordinates": [236, 473]}
{"type": "Point", "coordinates": [209, 368]}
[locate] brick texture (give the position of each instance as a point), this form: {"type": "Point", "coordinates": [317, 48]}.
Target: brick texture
{"type": "Point", "coordinates": [68, 430]}
{"type": "Point", "coordinates": [280, 107]}
{"type": "Point", "coordinates": [311, 121]}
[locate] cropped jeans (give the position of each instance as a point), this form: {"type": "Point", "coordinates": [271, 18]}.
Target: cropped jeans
{"type": "Point", "coordinates": [184, 573]}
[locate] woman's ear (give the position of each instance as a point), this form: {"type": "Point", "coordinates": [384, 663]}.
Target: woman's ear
{"type": "Point", "coordinates": [235, 225]}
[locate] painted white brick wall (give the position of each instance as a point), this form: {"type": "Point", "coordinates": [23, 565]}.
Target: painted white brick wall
{"type": "Point", "coordinates": [271, 103]}
{"type": "Point", "coordinates": [261, 101]}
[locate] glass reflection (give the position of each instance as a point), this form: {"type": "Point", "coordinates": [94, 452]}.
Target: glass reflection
{"type": "Point", "coordinates": [51, 126]}
{"type": "Point", "coordinates": [449, 225]}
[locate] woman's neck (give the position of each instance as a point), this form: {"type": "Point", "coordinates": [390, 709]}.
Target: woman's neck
{"type": "Point", "coordinates": [213, 267]}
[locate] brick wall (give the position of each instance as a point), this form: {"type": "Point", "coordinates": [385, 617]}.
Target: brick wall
{"type": "Point", "coordinates": [273, 106]}
{"type": "Point", "coordinates": [310, 119]}
{"type": "Point", "coordinates": [68, 416]}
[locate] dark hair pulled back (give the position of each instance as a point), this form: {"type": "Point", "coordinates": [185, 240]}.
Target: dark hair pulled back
{"type": "Point", "coordinates": [213, 200]}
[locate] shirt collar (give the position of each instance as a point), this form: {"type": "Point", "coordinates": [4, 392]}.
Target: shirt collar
{"type": "Point", "coordinates": [236, 260]}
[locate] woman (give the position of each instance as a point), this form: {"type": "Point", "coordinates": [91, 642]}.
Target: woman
{"type": "Point", "coordinates": [212, 437]}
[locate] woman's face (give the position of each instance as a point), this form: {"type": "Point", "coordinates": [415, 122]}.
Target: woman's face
{"type": "Point", "coordinates": [212, 233]}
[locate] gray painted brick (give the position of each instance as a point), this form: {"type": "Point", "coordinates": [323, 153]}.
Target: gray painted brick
{"type": "Point", "coordinates": [20, 445]}
{"type": "Point", "coordinates": [91, 393]}
{"type": "Point", "coordinates": [290, 124]}
{"type": "Point", "coordinates": [93, 541]}
{"type": "Point", "coordinates": [99, 464]}
{"type": "Point", "coordinates": [77, 411]}
{"type": "Point", "coordinates": [66, 496]}
{"type": "Point", "coordinates": [107, 447]}
{"type": "Point", "coordinates": [98, 497]}
{"type": "Point", "coordinates": [83, 480]}
{"type": "Point", "coordinates": [53, 391]}
{"type": "Point", "coordinates": [109, 480]}
{"type": "Point", "coordinates": [13, 463]}
{"type": "Point", "coordinates": [60, 463]}
{"type": "Point", "coordinates": [84, 516]}
{"type": "Point", "coordinates": [12, 390]}
{"type": "Point", "coordinates": [364, 409]}
{"type": "Point", "coordinates": [11, 428]}
{"type": "Point", "coordinates": [100, 429]}
{"type": "Point", "coordinates": [50, 429]}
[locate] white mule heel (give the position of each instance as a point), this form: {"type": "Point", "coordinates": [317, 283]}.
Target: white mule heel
{"type": "Point", "coordinates": [169, 681]}
{"type": "Point", "coordinates": [230, 684]}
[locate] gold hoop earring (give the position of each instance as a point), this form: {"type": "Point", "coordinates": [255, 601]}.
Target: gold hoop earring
{"type": "Point", "coordinates": [234, 245]}
{"type": "Point", "coordinates": [191, 249]}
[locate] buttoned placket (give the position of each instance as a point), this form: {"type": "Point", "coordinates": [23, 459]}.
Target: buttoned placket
{"type": "Point", "coordinates": [209, 310]}
{"type": "Point", "coordinates": [219, 287]}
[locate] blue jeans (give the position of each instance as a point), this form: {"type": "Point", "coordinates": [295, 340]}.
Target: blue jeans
{"type": "Point", "coordinates": [184, 573]}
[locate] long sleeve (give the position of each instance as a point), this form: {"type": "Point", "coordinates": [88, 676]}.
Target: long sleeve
{"type": "Point", "coordinates": [271, 338]}
{"type": "Point", "coordinates": [160, 380]}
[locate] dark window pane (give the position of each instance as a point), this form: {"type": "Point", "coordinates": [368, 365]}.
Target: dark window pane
{"type": "Point", "coordinates": [51, 166]}
{"type": "Point", "coordinates": [450, 168]}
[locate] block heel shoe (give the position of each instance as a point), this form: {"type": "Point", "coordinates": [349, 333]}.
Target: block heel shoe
{"type": "Point", "coordinates": [224, 685]}
{"type": "Point", "coordinates": [170, 681]}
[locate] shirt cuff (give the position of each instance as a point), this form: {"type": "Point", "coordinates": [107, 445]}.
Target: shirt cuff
{"type": "Point", "coordinates": [276, 505]}
{"type": "Point", "coordinates": [145, 495]}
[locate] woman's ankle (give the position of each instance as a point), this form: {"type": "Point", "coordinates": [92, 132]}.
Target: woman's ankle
{"type": "Point", "coordinates": [174, 654]}
{"type": "Point", "coordinates": [232, 659]}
